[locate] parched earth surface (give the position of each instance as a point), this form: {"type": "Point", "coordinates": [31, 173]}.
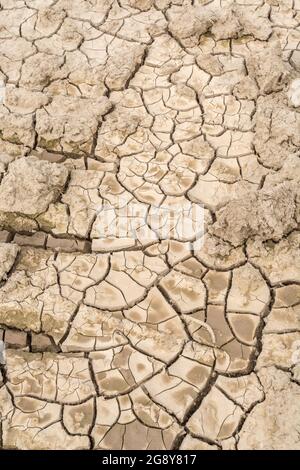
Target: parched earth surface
{"type": "Point", "coordinates": [152, 341]}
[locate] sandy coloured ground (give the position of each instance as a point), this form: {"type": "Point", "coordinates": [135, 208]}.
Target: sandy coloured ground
{"type": "Point", "coordinates": [158, 341]}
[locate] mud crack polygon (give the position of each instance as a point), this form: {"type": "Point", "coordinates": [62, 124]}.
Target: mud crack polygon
{"type": "Point", "coordinates": [116, 333]}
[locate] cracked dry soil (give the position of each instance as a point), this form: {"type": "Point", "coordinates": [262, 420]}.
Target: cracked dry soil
{"type": "Point", "coordinates": [116, 343]}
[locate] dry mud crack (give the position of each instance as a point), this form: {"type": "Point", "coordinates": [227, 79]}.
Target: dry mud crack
{"type": "Point", "coordinates": [158, 340]}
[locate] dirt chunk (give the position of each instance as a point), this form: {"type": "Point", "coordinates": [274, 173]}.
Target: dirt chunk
{"type": "Point", "coordinates": [267, 214]}
{"type": "Point", "coordinates": [28, 188]}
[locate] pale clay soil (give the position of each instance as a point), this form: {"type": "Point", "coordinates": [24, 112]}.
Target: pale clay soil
{"type": "Point", "coordinates": [154, 342]}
